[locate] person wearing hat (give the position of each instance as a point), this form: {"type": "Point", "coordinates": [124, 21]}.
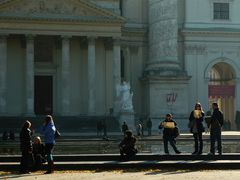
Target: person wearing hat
{"type": "Point", "coordinates": [127, 145]}
{"type": "Point", "coordinates": [169, 133]}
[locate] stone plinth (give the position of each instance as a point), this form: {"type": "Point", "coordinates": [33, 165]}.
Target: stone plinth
{"type": "Point", "coordinates": [128, 117]}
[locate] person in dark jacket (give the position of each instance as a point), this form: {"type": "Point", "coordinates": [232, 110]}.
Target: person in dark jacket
{"type": "Point", "coordinates": [38, 153]}
{"type": "Point", "coordinates": [215, 127]}
{"type": "Point", "coordinates": [197, 128]}
{"type": "Point", "coordinates": [127, 145]}
{"type": "Point", "coordinates": [124, 127]}
{"type": "Point", "coordinates": [48, 130]}
{"type": "Point", "coordinates": [26, 148]}
{"type": "Point", "coordinates": [169, 133]}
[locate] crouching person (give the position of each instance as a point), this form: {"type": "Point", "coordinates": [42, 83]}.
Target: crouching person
{"type": "Point", "coordinates": [127, 145]}
{"type": "Point", "coordinates": [38, 153]}
{"type": "Point", "coordinates": [169, 133]}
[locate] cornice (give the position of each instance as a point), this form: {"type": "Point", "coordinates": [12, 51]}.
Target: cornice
{"type": "Point", "coordinates": [56, 18]}
{"type": "Point", "coordinates": [210, 31]}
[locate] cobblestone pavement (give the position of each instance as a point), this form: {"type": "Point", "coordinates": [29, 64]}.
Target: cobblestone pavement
{"type": "Point", "coordinates": [130, 175]}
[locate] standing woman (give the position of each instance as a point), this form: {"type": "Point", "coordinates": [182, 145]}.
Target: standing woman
{"type": "Point", "coordinates": [26, 148]}
{"type": "Point", "coordinates": [48, 130]}
{"type": "Point", "coordinates": [196, 127]}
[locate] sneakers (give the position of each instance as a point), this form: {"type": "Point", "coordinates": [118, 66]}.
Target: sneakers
{"type": "Point", "coordinates": [211, 154]}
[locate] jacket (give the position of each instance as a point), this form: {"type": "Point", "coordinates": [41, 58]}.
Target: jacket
{"type": "Point", "coordinates": [26, 140]}
{"type": "Point", "coordinates": [168, 132]}
{"type": "Point", "coordinates": [49, 133]}
{"type": "Point", "coordinates": [198, 122]}
{"type": "Point", "coordinates": [216, 120]}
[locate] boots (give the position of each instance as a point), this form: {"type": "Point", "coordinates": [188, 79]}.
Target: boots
{"type": "Point", "coordinates": [50, 167]}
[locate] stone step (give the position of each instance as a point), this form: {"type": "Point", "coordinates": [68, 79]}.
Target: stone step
{"type": "Point", "coordinates": [110, 165]}
{"type": "Point", "coordinates": [138, 157]}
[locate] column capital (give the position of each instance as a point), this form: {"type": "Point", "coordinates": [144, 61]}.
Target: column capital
{"type": "Point", "coordinates": [116, 40]}
{"type": "Point", "coordinates": [91, 39]}
{"type": "Point", "coordinates": [66, 37]}
{"type": "Point", "coordinates": [3, 36]}
{"type": "Point", "coordinates": [30, 36]}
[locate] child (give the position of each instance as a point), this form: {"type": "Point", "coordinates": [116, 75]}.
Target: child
{"type": "Point", "coordinates": [127, 145]}
{"type": "Point", "coordinates": [169, 133]}
{"type": "Point", "coordinates": [38, 153]}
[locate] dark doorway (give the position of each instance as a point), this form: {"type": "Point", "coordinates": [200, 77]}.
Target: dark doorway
{"type": "Point", "coordinates": [43, 95]}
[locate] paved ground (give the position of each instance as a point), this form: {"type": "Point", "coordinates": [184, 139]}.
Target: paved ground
{"type": "Point", "coordinates": [131, 175]}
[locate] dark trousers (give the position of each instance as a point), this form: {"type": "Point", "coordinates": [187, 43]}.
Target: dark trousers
{"type": "Point", "coordinates": [48, 151]}
{"type": "Point", "coordinates": [172, 141]}
{"type": "Point", "coordinates": [215, 135]}
{"type": "Point", "coordinates": [198, 139]}
{"type": "Point", "coordinates": [129, 152]}
{"type": "Point", "coordinates": [149, 131]}
{"type": "Point", "coordinates": [26, 162]}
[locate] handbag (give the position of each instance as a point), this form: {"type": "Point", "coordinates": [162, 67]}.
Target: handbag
{"type": "Point", "coordinates": [57, 134]}
{"type": "Point", "coordinates": [176, 132]}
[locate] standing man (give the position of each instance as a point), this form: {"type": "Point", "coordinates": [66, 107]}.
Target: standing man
{"type": "Point", "coordinates": [215, 127]}
{"type": "Point", "coordinates": [124, 127]}
{"type": "Point", "coordinates": [149, 126]}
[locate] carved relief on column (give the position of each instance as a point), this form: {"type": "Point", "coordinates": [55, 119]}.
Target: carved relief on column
{"type": "Point", "coordinates": [29, 75]}
{"type": "Point", "coordinates": [163, 38]}
{"type": "Point", "coordinates": [65, 75]}
{"type": "Point", "coordinates": [91, 76]}
{"type": "Point", "coordinates": [3, 74]}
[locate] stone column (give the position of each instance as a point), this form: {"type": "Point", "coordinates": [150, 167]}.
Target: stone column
{"type": "Point", "coordinates": [3, 74]}
{"type": "Point", "coordinates": [91, 76]}
{"type": "Point", "coordinates": [165, 80]}
{"type": "Point", "coordinates": [29, 75]}
{"type": "Point", "coordinates": [65, 75]}
{"type": "Point", "coordinates": [116, 64]}
{"type": "Point", "coordinates": [163, 38]}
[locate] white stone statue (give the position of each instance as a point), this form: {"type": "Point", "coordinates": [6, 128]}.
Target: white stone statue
{"type": "Point", "coordinates": [125, 97]}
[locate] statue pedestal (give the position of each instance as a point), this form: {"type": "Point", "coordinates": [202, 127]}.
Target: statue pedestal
{"type": "Point", "coordinates": [128, 117]}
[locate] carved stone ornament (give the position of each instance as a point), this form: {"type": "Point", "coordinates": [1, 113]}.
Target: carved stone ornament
{"type": "Point", "coordinates": [195, 49]}
{"type": "Point", "coordinates": [62, 7]}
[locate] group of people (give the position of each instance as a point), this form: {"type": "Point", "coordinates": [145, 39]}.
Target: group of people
{"type": "Point", "coordinates": [33, 153]}
{"type": "Point", "coordinates": [171, 131]}
{"type": "Point", "coordinates": [214, 125]}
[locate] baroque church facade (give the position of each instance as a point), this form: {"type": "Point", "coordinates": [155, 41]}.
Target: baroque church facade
{"type": "Point", "coordinates": [67, 57]}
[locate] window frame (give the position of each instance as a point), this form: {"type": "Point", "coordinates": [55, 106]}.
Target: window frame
{"type": "Point", "coordinates": [230, 2]}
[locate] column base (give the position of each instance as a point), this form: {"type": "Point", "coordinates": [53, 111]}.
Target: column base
{"type": "Point", "coordinates": [168, 95]}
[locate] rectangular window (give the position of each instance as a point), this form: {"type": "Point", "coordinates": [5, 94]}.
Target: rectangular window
{"type": "Point", "coordinates": [221, 11]}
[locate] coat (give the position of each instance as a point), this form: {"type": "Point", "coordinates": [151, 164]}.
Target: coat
{"type": "Point", "coordinates": [49, 133]}
{"type": "Point", "coordinates": [168, 132]}
{"type": "Point", "coordinates": [197, 122]}
{"type": "Point", "coordinates": [26, 140]}
{"type": "Point", "coordinates": [216, 120]}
